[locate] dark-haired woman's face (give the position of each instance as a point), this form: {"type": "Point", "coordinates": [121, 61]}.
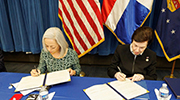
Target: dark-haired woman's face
{"type": "Point", "coordinates": [139, 47]}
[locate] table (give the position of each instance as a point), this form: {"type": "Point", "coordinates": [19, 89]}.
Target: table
{"type": "Point", "coordinates": [72, 90]}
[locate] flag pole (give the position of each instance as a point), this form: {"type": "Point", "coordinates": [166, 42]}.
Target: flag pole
{"type": "Point", "coordinates": [172, 71]}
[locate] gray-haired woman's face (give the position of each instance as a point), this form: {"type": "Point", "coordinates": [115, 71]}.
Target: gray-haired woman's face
{"type": "Point", "coordinates": [52, 46]}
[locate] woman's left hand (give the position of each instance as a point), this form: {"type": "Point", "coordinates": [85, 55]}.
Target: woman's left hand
{"type": "Point", "coordinates": [72, 72]}
{"type": "Point", "coordinates": [137, 77]}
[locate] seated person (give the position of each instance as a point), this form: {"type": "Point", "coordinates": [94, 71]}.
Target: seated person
{"type": "Point", "coordinates": [2, 67]}
{"type": "Point", "coordinates": [56, 55]}
{"type": "Point", "coordinates": [135, 61]}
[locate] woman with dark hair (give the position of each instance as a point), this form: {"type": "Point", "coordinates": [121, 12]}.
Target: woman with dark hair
{"type": "Point", "coordinates": [135, 61]}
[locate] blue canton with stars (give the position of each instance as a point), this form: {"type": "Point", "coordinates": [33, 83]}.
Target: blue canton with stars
{"type": "Point", "coordinates": [168, 31]}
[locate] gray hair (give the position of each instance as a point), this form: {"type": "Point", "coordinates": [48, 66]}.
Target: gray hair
{"type": "Point", "coordinates": [55, 33]}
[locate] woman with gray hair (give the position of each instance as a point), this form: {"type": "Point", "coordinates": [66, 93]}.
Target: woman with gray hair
{"type": "Point", "coordinates": [56, 54]}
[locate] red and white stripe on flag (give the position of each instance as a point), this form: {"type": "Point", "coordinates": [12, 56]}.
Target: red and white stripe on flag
{"type": "Point", "coordinates": [82, 23]}
{"type": "Point", "coordinates": [123, 17]}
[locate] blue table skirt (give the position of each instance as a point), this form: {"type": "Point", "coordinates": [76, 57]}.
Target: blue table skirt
{"type": "Point", "coordinates": [72, 90]}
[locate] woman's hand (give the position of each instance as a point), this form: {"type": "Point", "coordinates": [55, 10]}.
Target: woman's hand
{"type": "Point", "coordinates": [35, 72]}
{"type": "Point", "coordinates": [137, 77]}
{"type": "Point", "coordinates": [72, 72]}
{"type": "Point", "coordinates": [120, 76]}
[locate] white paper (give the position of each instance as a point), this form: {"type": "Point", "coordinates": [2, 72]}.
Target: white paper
{"type": "Point", "coordinates": [30, 82]}
{"type": "Point", "coordinates": [128, 88]}
{"type": "Point", "coordinates": [57, 77]}
{"type": "Point", "coordinates": [51, 95]}
{"type": "Point", "coordinates": [102, 92]}
{"type": "Point", "coordinates": [13, 85]}
{"type": "Point", "coordinates": [25, 92]}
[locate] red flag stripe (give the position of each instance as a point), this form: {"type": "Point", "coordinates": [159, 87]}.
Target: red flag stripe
{"type": "Point", "coordinates": [73, 27]}
{"type": "Point", "coordinates": [99, 17]}
{"type": "Point", "coordinates": [81, 24]}
{"type": "Point", "coordinates": [108, 4]}
{"type": "Point", "coordinates": [89, 18]}
{"type": "Point", "coordinates": [82, 40]}
{"type": "Point", "coordinates": [70, 35]}
{"type": "Point", "coordinates": [92, 25]}
{"type": "Point", "coordinates": [73, 40]}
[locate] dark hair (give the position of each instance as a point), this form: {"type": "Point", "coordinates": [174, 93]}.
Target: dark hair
{"type": "Point", "coordinates": [143, 34]}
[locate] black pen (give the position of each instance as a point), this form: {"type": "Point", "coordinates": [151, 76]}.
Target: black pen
{"type": "Point", "coordinates": [36, 69]}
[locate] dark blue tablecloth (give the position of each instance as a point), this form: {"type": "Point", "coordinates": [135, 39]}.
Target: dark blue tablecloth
{"type": "Point", "coordinates": [72, 90]}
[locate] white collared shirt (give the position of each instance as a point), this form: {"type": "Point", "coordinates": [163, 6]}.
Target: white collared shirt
{"type": "Point", "coordinates": [132, 50]}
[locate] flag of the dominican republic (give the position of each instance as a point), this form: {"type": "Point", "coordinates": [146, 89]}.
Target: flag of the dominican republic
{"type": "Point", "coordinates": [168, 29]}
{"type": "Point", "coordinates": [122, 17]}
{"type": "Point", "coordinates": [82, 23]}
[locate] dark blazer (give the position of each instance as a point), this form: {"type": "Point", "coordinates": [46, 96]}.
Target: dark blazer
{"type": "Point", "coordinates": [2, 67]}
{"type": "Point", "coordinates": [143, 64]}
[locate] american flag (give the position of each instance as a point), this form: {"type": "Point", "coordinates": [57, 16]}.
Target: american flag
{"type": "Point", "coordinates": [82, 23]}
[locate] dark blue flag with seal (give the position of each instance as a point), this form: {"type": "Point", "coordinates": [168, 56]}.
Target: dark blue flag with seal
{"type": "Point", "coordinates": [168, 29]}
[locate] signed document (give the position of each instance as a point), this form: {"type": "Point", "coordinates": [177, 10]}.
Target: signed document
{"type": "Point", "coordinates": [51, 78]}
{"type": "Point", "coordinates": [128, 88]}
{"type": "Point", "coordinates": [102, 92]}
{"type": "Point", "coordinates": [115, 90]}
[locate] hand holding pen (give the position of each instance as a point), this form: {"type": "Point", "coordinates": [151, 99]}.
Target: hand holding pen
{"type": "Point", "coordinates": [119, 75]}
{"type": "Point", "coordinates": [35, 72]}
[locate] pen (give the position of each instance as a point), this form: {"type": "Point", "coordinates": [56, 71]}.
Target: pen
{"type": "Point", "coordinates": [119, 69]}
{"type": "Point", "coordinates": [11, 86]}
{"type": "Point", "coordinates": [121, 72]}
{"type": "Point", "coordinates": [36, 69]}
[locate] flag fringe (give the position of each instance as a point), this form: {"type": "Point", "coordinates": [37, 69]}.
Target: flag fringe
{"type": "Point", "coordinates": [162, 47]}
{"type": "Point", "coordinates": [88, 50]}
{"type": "Point", "coordinates": [114, 34]}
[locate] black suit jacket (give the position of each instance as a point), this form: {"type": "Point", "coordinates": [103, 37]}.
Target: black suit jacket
{"type": "Point", "coordinates": [143, 64]}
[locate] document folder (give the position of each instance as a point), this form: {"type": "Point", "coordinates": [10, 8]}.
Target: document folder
{"type": "Point", "coordinates": [174, 84]}
{"type": "Point", "coordinates": [116, 90]}
{"type": "Point", "coordinates": [52, 78]}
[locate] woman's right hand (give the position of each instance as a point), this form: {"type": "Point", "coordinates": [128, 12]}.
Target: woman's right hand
{"type": "Point", "coordinates": [35, 72]}
{"type": "Point", "coordinates": [120, 76]}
